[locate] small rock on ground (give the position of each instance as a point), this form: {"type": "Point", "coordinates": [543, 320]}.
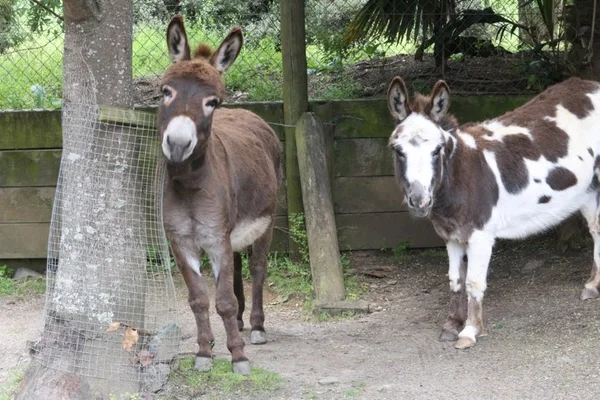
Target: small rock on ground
{"type": "Point", "coordinates": [25, 273]}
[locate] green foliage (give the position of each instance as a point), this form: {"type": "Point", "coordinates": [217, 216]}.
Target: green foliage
{"type": "Point", "coordinates": [294, 279]}
{"type": "Point", "coordinates": [9, 29]}
{"type": "Point", "coordinates": [14, 379]}
{"type": "Point", "coordinates": [221, 382]}
{"type": "Point", "coordinates": [155, 262]}
{"type": "Point", "coordinates": [541, 73]}
{"type": "Point", "coordinates": [19, 289]}
{"type": "Point", "coordinates": [39, 19]}
{"type": "Point", "coordinates": [399, 19]}
{"type": "Point", "coordinates": [401, 250]}
{"type": "Point", "coordinates": [297, 231]}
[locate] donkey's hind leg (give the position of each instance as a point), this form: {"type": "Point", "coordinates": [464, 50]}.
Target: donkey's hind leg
{"type": "Point", "coordinates": [591, 212]}
{"type": "Point", "coordinates": [238, 288]}
{"type": "Point", "coordinates": [258, 271]}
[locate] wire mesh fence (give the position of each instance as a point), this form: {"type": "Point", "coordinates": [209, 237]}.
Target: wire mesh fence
{"type": "Point", "coordinates": [354, 47]}
{"type": "Point", "coordinates": [110, 295]}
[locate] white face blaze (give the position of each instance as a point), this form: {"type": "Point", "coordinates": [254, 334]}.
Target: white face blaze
{"type": "Point", "coordinates": [419, 144]}
{"type": "Point", "coordinates": [179, 139]}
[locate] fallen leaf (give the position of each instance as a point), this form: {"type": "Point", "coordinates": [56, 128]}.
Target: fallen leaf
{"type": "Point", "coordinates": [131, 338]}
{"type": "Point", "coordinates": [145, 357]}
{"type": "Point", "coordinates": [113, 327]}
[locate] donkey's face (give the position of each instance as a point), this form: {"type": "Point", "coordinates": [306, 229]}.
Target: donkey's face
{"type": "Point", "coordinates": [420, 142]}
{"type": "Point", "coordinates": [192, 89]}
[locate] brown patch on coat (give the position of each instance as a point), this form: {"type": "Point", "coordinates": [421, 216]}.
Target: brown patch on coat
{"type": "Point", "coordinates": [510, 155]}
{"type": "Point", "coordinates": [465, 200]}
{"type": "Point", "coordinates": [571, 94]}
{"type": "Point", "coordinates": [560, 178]}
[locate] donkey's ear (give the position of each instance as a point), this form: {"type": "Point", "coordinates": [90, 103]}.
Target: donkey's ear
{"type": "Point", "coordinates": [179, 49]}
{"type": "Point", "coordinates": [440, 100]}
{"type": "Point", "coordinates": [228, 50]}
{"type": "Point", "coordinates": [398, 99]}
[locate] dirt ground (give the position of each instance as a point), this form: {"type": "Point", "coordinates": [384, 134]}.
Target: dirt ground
{"type": "Point", "coordinates": [541, 342]}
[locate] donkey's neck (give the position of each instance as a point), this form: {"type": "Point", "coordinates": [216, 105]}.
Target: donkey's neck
{"type": "Point", "coordinates": [192, 172]}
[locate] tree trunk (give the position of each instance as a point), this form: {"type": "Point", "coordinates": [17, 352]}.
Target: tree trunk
{"type": "Point", "coordinates": [98, 275]}
{"type": "Point", "coordinates": [584, 57]}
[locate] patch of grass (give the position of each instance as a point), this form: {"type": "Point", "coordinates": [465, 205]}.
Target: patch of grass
{"type": "Point", "coordinates": [220, 382]}
{"type": "Point", "coordinates": [15, 377]}
{"type": "Point", "coordinates": [357, 389]}
{"type": "Point", "coordinates": [498, 325]}
{"type": "Point", "coordinates": [401, 250]}
{"type": "Point", "coordinates": [19, 289]}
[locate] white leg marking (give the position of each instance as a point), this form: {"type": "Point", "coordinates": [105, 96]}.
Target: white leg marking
{"type": "Point", "coordinates": [456, 252]}
{"type": "Point", "coordinates": [470, 332]}
{"type": "Point", "coordinates": [479, 252]}
{"type": "Point", "coordinates": [193, 262]}
{"type": "Point", "coordinates": [591, 213]}
{"type": "Point", "coordinates": [216, 259]}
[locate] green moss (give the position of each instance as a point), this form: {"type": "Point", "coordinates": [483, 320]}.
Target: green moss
{"type": "Point", "coordinates": [221, 382]}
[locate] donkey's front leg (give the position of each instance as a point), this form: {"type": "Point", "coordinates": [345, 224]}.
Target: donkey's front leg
{"type": "Point", "coordinates": [189, 266]}
{"type": "Point", "coordinates": [458, 299]}
{"type": "Point", "coordinates": [221, 259]}
{"type": "Point", "coordinates": [479, 252]}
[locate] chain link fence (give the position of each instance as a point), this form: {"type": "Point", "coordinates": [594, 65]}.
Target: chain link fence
{"type": "Point", "coordinates": [354, 47]}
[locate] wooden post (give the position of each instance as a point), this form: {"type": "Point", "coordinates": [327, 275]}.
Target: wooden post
{"type": "Point", "coordinates": [326, 266]}
{"type": "Point", "coordinates": [295, 97]}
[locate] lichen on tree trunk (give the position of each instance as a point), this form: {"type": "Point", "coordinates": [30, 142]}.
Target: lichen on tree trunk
{"type": "Point", "coordinates": [97, 251]}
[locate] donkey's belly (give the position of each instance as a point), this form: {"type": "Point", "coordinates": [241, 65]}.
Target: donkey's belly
{"type": "Point", "coordinates": [520, 222]}
{"type": "Point", "coordinates": [247, 232]}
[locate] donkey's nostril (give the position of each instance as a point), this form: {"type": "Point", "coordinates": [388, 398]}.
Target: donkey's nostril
{"type": "Point", "coordinates": [168, 141]}
{"type": "Point", "coordinates": [410, 202]}
{"type": "Point", "coordinates": [187, 146]}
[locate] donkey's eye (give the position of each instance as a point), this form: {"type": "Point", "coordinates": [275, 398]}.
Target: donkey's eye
{"type": "Point", "coordinates": [400, 154]}
{"type": "Point", "coordinates": [212, 103]}
{"type": "Point", "coordinates": [437, 150]}
{"type": "Point", "coordinates": [167, 92]}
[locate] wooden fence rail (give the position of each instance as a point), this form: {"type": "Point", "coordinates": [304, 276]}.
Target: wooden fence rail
{"type": "Point", "coordinates": [367, 201]}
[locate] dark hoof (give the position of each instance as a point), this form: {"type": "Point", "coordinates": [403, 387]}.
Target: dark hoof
{"type": "Point", "coordinates": [241, 367]}
{"type": "Point", "coordinates": [588, 294]}
{"type": "Point", "coordinates": [240, 325]}
{"type": "Point", "coordinates": [258, 337]}
{"type": "Point", "coordinates": [448, 336]}
{"type": "Point", "coordinates": [203, 364]}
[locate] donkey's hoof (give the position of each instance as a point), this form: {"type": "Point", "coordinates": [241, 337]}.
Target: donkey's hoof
{"type": "Point", "coordinates": [203, 364]}
{"type": "Point", "coordinates": [464, 343]}
{"type": "Point", "coordinates": [588, 294]}
{"type": "Point", "coordinates": [241, 367]}
{"type": "Point", "coordinates": [240, 325]}
{"type": "Point", "coordinates": [258, 337]}
{"type": "Point", "coordinates": [448, 336]}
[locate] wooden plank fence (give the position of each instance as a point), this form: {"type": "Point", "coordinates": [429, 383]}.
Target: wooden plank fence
{"type": "Point", "coordinates": [367, 201]}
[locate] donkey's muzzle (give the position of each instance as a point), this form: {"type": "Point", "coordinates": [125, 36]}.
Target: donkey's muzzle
{"type": "Point", "coordinates": [419, 205]}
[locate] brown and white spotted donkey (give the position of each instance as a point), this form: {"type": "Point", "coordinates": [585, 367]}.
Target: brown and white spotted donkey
{"type": "Point", "coordinates": [223, 175]}
{"type": "Point", "coordinates": [509, 177]}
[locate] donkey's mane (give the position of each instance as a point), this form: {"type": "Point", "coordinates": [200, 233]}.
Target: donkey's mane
{"type": "Point", "coordinates": [203, 51]}
{"type": "Point", "coordinates": [422, 104]}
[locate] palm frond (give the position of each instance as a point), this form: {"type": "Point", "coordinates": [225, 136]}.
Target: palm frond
{"type": "Point", "coordinates": [395, 20]}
